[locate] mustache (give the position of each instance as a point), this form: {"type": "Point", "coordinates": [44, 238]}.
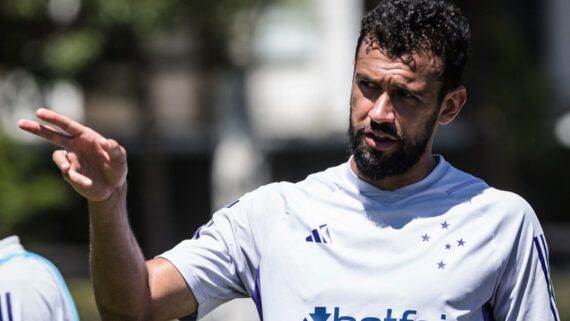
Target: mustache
{"type": "Point", "coordinates": [384, 127]}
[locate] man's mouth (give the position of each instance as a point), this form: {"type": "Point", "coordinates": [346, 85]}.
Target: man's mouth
{"type": "Point", "coordinates": [380, 141]}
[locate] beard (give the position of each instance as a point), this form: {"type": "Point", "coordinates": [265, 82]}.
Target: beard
{"type": "Point", "coordinates": [374, 164]}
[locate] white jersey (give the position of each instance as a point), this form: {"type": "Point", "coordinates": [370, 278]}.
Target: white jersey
{"type": "Point", "coordinates": [31, 287]}
{"type": "Point", "coordinates": [334, 248]}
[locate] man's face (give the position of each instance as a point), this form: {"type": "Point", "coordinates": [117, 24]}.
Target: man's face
{"type": "Point", "coordinates": [394, 112]}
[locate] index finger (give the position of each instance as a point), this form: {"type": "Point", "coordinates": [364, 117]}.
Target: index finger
{"type": "Point", "coordinates": [66, 124]}
{"type": "Point", "coordinates": [45, 132]}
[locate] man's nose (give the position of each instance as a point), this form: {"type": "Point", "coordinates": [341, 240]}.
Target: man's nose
{"type": "Point", "coordinates": [383, 109]}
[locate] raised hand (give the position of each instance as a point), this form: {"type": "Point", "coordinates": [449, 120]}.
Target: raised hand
{"type": "Point", "coordinates": [95, 167]}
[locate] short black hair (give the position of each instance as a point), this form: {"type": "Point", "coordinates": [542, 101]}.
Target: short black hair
{"type": "Point", "coordinates": [401, 27]}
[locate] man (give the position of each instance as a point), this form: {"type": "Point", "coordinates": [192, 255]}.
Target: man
{"type": "Point", "coordinates": [396, 233]}
{"type": "Point", "coordinates": [31, 287]}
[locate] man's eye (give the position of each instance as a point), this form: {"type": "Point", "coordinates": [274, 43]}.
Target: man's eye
{"type": "Point", "coordinates": [405, 94]}
{"type": "Point", "coordinates": [367, 84]}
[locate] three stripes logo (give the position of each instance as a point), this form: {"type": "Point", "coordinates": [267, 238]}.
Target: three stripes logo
{"type": "Point", "coordinates": [320, 235]}
{"type": "Point", "coordinates": [540, 245]}
{"type": "Point", "coordinates": [6, 307]}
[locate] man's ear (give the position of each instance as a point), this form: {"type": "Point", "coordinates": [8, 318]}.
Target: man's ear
{"type": "Point", "coordinates": [452, 104]}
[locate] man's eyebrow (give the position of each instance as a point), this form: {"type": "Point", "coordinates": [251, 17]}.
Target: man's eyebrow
{"type": "Point", "coordinates": [364, 77]}
{"type": "Point", "coordinates": [408, 89]}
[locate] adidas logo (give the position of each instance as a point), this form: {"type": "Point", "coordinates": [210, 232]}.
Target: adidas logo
{"type": "Point", "coordinates": [320, 235]}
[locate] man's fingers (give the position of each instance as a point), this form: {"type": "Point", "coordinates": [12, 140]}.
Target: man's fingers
{"type": "Point", "coordinates": [44, 131]}
{"type": "Point", "coordinates": [60, 159]}
{"type": "Point", "coordinates": [66, 124]}
{"type": "Point", "coordinates": [79, 179]}
{"type": "Point", "coordinates": [115, 151]}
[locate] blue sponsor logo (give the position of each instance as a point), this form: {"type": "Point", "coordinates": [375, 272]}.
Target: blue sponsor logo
{"type": "Point", "coordinates": [320, 235]}
{"type": "Point", "coordinates": [321, 314]}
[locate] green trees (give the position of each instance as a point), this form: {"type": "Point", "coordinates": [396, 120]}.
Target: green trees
{"type": "Point", "coordinates": [25, 189]}
{"type": "Point", "coordinates": [104, 47]}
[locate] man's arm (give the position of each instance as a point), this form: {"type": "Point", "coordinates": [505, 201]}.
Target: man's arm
{"type": "Point", "coordinates": [524, 289]}
{"type": "Point", "coordinates": [126, 287]}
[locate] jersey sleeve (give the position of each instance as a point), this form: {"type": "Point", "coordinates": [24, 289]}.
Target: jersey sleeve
{"type": "Point", "coordinates": [524, 290]}
{"type": "Point", "coordinates": [220, 262]}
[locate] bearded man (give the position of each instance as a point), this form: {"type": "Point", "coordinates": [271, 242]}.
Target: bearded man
{"type": "Point", "coordinates": [395, 233]}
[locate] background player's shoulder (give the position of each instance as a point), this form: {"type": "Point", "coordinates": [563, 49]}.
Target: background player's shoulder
{"type": "Point", "coordinates": [26, 273]}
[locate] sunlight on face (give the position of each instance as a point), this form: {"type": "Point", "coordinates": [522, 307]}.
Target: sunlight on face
{"type": "Point", "coordinates": [394, 111]}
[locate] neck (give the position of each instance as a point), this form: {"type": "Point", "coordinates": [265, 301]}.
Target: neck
{"type": "Point", "coordinates": [391, 183]}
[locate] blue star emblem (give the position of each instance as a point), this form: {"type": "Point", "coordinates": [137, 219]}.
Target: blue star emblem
{"type": "Point", "coordinates": [425, 238]}
{"type": "Point", "coordinates": [461, 242]}
{"type": "Point", "coordinates": [441, 265]}
{"type": "Point", "coordinates": [448, 246]}
{"type": "Point", "coordinates": [444, 225]}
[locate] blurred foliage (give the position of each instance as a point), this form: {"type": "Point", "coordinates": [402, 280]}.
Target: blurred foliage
{"type": "Point", "coordinates": [67, 53]}
{"type": "Point", "coordinates": [87, 41]}
{"type": "Point", "coordinates": [24, 189]}
{"type": "Point", "coordinates": [50, 40]}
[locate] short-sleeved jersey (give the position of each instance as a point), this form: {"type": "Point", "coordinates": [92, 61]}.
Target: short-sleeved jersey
{"type": "Point", "coordinates": [335, 248]}
{"type": "Point", "coordinates": [31, 287]}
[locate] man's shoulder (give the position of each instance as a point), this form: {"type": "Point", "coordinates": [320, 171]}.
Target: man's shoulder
{"type": "Point", "coordinates": [507, 211]}
{"type": "Point", "coordinates": [326, 178]}
{"type": "Point", "coordinates": [278, 194]}
{"type": "Point", "coordinates": [504, 199]}
{"type": "Point", "coordinates": [486, 194]}
{"type": "Point", "coordinates": [489, 198]}
{"type": "Point", "coordinates": [456, 183]}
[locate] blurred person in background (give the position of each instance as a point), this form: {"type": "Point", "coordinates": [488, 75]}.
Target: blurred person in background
{"type": "Point", "coordinates": [395, 233]}
{"type": "Point", "coordinates": [31, 287]}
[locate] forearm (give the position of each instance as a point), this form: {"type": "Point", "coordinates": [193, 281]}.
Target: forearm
{"type": "Point", "coordinates": [96, 167]}
{"type": "Point", "coordinates": [119, 274]}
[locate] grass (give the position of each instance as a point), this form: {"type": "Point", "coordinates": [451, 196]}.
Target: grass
{"type": "Point", "coordinates": [82, 293]}
{"type": "Point", "coordinates": [561, 282]}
